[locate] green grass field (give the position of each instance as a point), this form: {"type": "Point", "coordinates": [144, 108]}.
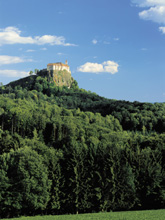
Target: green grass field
{"type": "Point", "coordinates": [132, 215]}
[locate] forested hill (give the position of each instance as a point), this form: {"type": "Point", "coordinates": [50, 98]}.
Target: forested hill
{"type": "Point", "coordinates": [131, 115]}
{"type": "Point", "coordinates": [67, 150]}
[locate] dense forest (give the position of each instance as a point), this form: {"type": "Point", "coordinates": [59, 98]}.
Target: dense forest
{"type": "Point", "coordinates": [67, 150]}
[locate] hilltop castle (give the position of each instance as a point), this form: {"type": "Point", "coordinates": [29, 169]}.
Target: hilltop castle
{"type": "Point", "coordinates": [60, 73]}
{"type": "Point", "coordinates": [58, 66]}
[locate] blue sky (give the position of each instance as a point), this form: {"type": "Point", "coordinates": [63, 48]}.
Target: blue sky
{"type": "Point", "coordinates": [115, 48]}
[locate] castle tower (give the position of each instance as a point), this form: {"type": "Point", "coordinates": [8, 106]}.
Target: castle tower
{"type": "Point", "coordinates": [66, 62]}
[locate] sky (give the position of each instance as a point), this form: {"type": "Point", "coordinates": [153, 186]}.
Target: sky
{"type": "Point", "coordinates": [115, 48]}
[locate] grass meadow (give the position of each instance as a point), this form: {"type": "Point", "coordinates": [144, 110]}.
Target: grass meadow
{"type": "Point", "coordinates": [131, 215]}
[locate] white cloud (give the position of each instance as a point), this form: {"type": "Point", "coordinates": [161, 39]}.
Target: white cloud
{"type": "Point", "coordinates": [162, 29]}
{"type": "Point", "coordinates": [13, 73]}
{"type": "Point", "coordinates": [61, 54]}
{"type": "Point", "coordinates": [49, 39]}
{"type": "Point", "coordinates": [148, 3]}
{"type": "Point", "coordinates": [44, 48]}
{"type": "Point", "coordinates": [106, 67]}
{"type": "Point", "coordinates": [30, 50]}
{"type": "Point", "coordinates": [155, 11]}
{"type": "Point", "coordinates": [91, 68]}
{"type": "Point", "coordinates": [12, 35]}
{"type": "Point", "coordinates": [4, 59]}
{"type": "Point", "coordinates": [156, 14]}
{"type": "Point", "coordinates": [94, 41]}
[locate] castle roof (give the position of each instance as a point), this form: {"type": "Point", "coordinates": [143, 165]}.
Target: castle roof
{"type": "Point", "coordinates": [57, 64]}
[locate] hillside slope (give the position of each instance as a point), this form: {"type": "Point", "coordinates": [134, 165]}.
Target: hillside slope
{"type": "Point", "coordinates": [71, 151]}
{"type": "Point", "coordinates": [132, 115]}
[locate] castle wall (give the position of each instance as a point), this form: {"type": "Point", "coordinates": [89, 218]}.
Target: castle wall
{"type": "Point", "coordinates": [49, 68]}
{"type": "Point", "coordinates": [58, 67]}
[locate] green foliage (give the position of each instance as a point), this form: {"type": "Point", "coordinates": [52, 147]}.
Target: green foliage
{"type": "Point", "coordinates": [24, 183]}
{"type": "Point", "coordinates": [70, 151]}
{"type": "Point", "coordinates": [31, 72]}
{"type": "Point", "coordinates": [134, 116]}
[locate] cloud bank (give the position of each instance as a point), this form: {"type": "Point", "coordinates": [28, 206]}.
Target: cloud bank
{"type": "Point", "coordinates": [155, 11]}
{"type": "Point", "coordinates": [12, 35]}
{"type": "Point", "coordinates": [4, 59]}
{"type": "Point", "coordinates": [156, 14]}
{"type": "Point", "coordinates": [13, 73]}
{"type": "Point", "coordinates": [105, 67]}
